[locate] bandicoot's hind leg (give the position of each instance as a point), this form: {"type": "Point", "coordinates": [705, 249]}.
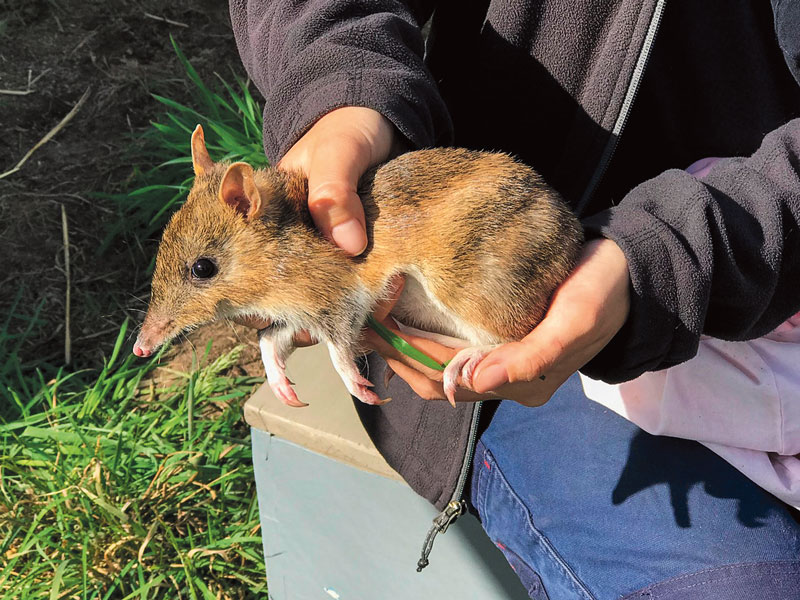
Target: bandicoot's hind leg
{"type": "Point", "coordinates": [276, 346]}
{"type": "Point", "coordinates": [343, 357]}
{"type": "Point", "coordinates": [463, 365]}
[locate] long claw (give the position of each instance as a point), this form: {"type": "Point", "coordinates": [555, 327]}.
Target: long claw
{"type": "Point", "coordinates": [388, 373]}
{"type": "Point", "coordinates": [358, 385]}
{"type": "Point", "coordinates": [284, 391]}
{"type": "Point", "coordinates": [462, 365]}
{"type": "Point", "coordinates": [367, 396]}
{"type": "Point", "coordinates": [450, 384]}
{"type": "Point", "coordinates": [361, 380]}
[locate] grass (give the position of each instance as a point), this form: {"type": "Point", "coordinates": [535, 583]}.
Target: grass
{"type": "Point", "coordinates": [130, 480]}
{"type": "Point", "coordinates": [232, 124]}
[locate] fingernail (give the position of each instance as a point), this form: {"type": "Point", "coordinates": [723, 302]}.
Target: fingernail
{"type": "Point", "coordinates": [490, 378]}
{"type": "Point", "coordinates": [349, 236]}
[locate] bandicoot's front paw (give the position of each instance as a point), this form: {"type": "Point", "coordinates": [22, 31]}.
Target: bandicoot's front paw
{"type": "Point", "coordinates": [359, 387]}
{"type": "Point", "coordinates": [285, 392]}
{"type": "Point", "coordinates": [462, 365]}
{"type": "Point", "coordinates": [275, 367]}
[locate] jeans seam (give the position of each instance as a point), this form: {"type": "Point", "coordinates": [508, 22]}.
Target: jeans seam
{"type": "Point", "coordinates": [647, 592]}
{"type": "Point", "coordinates": [704, 582]}
{"type": "Point", "coordinates": [481, 495]}
{"type": "Point", "coordinates": [566, 570]}
{"type": "Point", "coordinates": [711, 572]}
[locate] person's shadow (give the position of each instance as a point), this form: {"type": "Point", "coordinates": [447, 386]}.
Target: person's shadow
{"type": "Point", "coordinates": [718, 478]}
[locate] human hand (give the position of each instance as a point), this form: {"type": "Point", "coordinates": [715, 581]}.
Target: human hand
{"type": "Point", "coordinates": [333, 154]}
{"type": "Point", "coordinates": [586, 311]}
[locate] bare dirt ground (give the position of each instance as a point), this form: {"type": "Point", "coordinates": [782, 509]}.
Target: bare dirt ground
{"type": "Point", "coordinates": [51, 52]}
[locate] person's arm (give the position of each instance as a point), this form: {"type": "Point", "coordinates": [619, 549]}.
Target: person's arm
{"type": "Point", "coordinates": [719, 256]}
{"type": "Point", "coordinates": [587, 309]}
{"type": "Point", "coordinates": [787, 26]}
{"type": "Point", "coordinates": [308, 58]}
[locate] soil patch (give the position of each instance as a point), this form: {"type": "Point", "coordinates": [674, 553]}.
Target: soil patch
{"type": "Point", "coordinates": [51, 52]}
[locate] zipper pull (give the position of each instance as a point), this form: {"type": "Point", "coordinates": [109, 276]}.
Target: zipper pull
{"type": "Point", "coordinates": [443, 520]}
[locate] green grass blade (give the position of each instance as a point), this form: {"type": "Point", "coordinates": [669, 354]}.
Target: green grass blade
{"type": "Point", "coordinates": [403, 346]}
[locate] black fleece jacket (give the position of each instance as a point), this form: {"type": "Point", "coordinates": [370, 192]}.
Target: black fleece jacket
{"type": "Point", "coordinates": [610, 101]}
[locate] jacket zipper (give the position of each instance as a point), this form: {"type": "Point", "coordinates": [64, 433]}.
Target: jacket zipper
{"type": "Point", "coordinates": [458, 505]}
{"type": "Point", "coordinates": [627, 103]}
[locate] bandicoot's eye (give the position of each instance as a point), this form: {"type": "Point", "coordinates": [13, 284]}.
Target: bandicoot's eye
{"type": "Point", "coordinates": [204, 268]}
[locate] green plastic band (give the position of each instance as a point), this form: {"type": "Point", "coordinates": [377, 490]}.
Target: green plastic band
{"type": "Point", "coordinates": [403, 346]}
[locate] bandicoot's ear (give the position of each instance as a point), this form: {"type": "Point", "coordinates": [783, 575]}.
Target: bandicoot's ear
{"type": "Point", "coordinates": [201, 161]}
{"type": "Point", "coordinates": [238, 190]}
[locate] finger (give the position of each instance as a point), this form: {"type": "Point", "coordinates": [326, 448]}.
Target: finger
{"type": "Point", "coordinates": [296, 159]}
{"type": "Point", "coordinates": [426, 388]}
{"type": "Point", "coordinates": [547, 356]}
{"type": "Point", "coordinates": [586, 311]}
{"type": "Point", "coordinates": [439, 353]}
{"type": "Point", "coordinates": [333, 201]}
{"type": "Point", "coordinates": [436, 350]}
{"type": "Point", "coordinates": [387, 351]}
{"type": "Point", "coordinates": [531, 358]}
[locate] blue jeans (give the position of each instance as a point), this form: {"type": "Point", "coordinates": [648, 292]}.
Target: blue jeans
{"type": "Point", "coordinates": [585, 505]}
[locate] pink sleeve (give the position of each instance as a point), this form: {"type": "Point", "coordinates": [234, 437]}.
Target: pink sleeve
{"type": "Point", "coordinates": [742, 399]}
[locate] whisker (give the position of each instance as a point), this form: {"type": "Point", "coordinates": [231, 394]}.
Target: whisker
{"type": "Point", "coordinates": [187, 340]}
{"type": "Point", "coordinates": [235, 331]}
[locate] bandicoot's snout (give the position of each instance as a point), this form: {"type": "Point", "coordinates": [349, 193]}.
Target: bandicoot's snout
{"type": "Point", "coordinates": [155, 331]}
{"type": "Point", "coordinates": [140, 351]}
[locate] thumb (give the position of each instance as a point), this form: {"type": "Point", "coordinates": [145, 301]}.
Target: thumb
{"type": "Point", "coordinates": [332, 194]}
{"type": "Point", "coordinates": [526, 360]}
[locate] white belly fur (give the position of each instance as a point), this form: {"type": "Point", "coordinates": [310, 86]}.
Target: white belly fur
{"type": "Point", "coordinates": [418, 307]}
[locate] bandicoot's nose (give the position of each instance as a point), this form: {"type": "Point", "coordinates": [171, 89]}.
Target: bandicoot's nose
{"type": "Point", "coordinates": [141, 352]}
{"type": "Point", "coordinates": [155, 331]}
